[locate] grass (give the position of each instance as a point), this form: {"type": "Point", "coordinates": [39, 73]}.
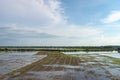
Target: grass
{"type": "Point", "coordinates": [43, 53]}
{"type": "Point", "coordinates": [114, 60]}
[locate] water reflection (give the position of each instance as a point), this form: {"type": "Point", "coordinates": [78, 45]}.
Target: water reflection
{"type": "Point", "coordinates": [114, 54]}
{"type": "Point", "coordinates": [14, 60]}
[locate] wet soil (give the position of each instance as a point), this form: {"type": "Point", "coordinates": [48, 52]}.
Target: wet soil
{"type": "Point", "coordinates": [59, 66]}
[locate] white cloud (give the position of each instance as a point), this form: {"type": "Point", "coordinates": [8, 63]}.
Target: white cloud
{"type": "Point", "coordinates": [112, 17]}
{"type": "Point", "coordinates": [109, 40]}
{"type": "Point", "coordinates": [47, 12]}
{"type": "Point", "coordinates": [41, 11]}
{"type": "Point", "coordinates": [66, 30]}
{"type": "Point", "coordinates": [16, 32]}
{"type": "Point", "coordinates": [70, 35]}
{"type": "Point", "coordinates": [71, 30]}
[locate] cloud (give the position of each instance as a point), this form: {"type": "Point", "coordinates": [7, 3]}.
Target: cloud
{"type": "Point", "coordinates": [72, 30]}
{"type": "Point", "coordinates": [114, 16]}
{"type": "Point", "coordinates": [52, 27]}
{"type": "Point", "coordinates": [109, 40]}
{"type": "Point", "coordinates": [49, 13]}
{"type": "Point", "coordinates": [17, 32]}
{"type": "Point", "coordinates": [42, 12]}
{"type": "Point", "coordinates": [67, 30]}
{"type": "Point", "coordinates": [49, 36]}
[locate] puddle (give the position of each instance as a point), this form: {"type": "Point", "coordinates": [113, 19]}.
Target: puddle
{"type": "Point", "coordinates": [114, 71]}
{"type": "Point", "coordinates": [42, 75]}
{"type": "Point", "coordinates": [89, 63]}
{"type": "Point", "coordinates": [65, 66]}
{"type": "Point", "coordinates": [14, 60]}
{"type": "Point", "coordinates": [83, 52]}
{"type": "Point", "coordinates": [104, 64]}
{"type": "Point", "coordinates": [115, 55]}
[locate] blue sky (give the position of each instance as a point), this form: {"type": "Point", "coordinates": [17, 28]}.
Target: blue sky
{"type": "Point", "coordinates": [59, 22]}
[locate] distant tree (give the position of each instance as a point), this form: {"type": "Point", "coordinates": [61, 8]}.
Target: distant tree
{"type": "Point", "coordinates": [118, 50]}
{"type": "Point", "coordinates": [87, 50]}
{"type": "Point", "coordinates": [6, 49]}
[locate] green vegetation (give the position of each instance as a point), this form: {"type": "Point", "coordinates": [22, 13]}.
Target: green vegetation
{"type": "Point", "coordinates": [59, 48]}
{"type": "Point", "coordinates": [115, 60]}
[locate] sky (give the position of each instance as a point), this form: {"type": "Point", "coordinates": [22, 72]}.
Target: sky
{"type": "Point", "coordinates": [59, 22]}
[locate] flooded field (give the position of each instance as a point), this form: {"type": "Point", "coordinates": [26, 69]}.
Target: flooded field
{"type": "Point", "coordinates": [12, 60]}
{"type": "Point", "coordinates": [64, 66]}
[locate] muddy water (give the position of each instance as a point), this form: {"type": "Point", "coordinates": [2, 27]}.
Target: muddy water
{"type": "Point", "coordinates": [14, 60]}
